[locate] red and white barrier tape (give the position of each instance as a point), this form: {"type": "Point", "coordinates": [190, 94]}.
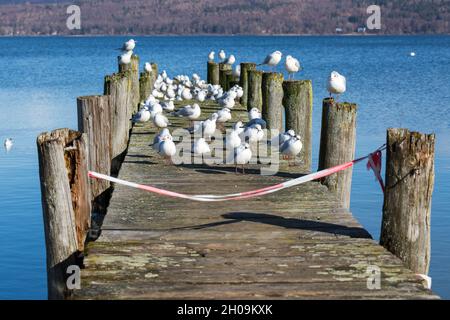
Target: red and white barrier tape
{"type": "Point", "coordinates": [374, 158]}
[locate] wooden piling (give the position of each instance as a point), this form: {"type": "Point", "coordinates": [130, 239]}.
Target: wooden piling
{"type": "Point", "coordinates": [94, 119]}
{"type": "Point", "coordinates": [298, 105]}
{"type": "Point", "coordinates": [119, 87]}
{"type": "Point", "coordinates": [405, 227]}
{"type": "Point", "coordinates": [337, 146]}
{"type": "Point", "coordinates": [133, 67]}
{"type": "Point", "coordinates": [224, 69]}
{"type": "Point", "coordinates": [213, 73]}
{"type": "Point", "coordinates": [145, 85]}
{"type": "Point", "coordinates": [65, 202]}
{"type": "Point", "coordinates": [243, 81]}
{"type": "Point", "coordinates": [231, 80]}
{"type": "Point", "coordinates": [272, 99]}
{"type": "Point", "coordinates": [254, 95]}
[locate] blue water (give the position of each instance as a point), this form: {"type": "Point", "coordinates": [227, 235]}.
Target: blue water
{"type": "Point", "coordinates": [41, 77]}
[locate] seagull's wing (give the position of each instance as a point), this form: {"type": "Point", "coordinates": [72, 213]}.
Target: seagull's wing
{"type": "Point", "coordinates": [297, 63]}
{"type": "Point", "coordinates": [267, 59]}
{"type": "Point", "coordinates": [284, 146]}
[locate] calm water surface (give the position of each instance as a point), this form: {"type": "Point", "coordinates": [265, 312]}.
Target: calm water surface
{"type": "Point", "coordinates": [41, 77]}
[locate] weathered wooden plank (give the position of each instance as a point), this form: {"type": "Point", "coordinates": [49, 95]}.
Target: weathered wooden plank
{"type": "Point", "coordinates": [272, 99]}
{"type": "Point", "coordinates": [407, 204]}
{"type": "Point", "coordinates": [243, 81]}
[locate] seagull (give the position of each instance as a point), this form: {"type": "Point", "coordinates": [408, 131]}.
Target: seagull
{"type": "Point", "coordinates": [191, 112]}
{"type": "Point", "coordinates": [283, 137]}
{"type": "Point", "coordinates": [238, 127]}
{"type": "Point", "coordinates": [211, 56]}
{"type": "Point", "coordinates": [186, 94]}
{"type": "Point", "coordinates": [168, 106]}
{"type": "Point", "coordinates": [228, 102]}
{"type": "Point", "coordinates": [242, 155]}
{"type": "Point", "coordinates": [412, 54]}
{"type": "Point", "coordinates": [231, 60]}
{"type": "Point", "coordinates": [272, 59]}
{"type": "Point", "coordinates": [291, 147]}
{"type": "Point", "coordinates": [158, 138]}
{"type": "Point", "coordinates": [201, 147]}
{"type": "Point", "coordinates": [254, 113]}
{"type": "Point", "coordinates": [201, 96]}
{"type": "Point", "coordinates": [155, 109]}
{"type": "Point", "coordinates": [167, 147]}
{"type": "Point", "coordinates": [126, 57]}
{"type": "Point", "coordinates": [233, 140]}
{"type": "Point", "coordinates": [254, 133]}
{"type": "Point", "coordinates": [336, 83]}
{"type": "Point", "coordinates": [148, 67]}
{"type": "Point", "coordinates": [160, 120]}
{"type": "Point", "coordinates": [222, 55]}
{"type": "Point", "coordinates": [224, 115]}
{"type": "Point", "coordinates": [237, 71]}
{"type": "Point", "coordinates": [141, 116]}
{"type": "Point", "coordinates": [128, 45]}
{"type": "Point", "coordinates": [209, 125]}
{"type": "Point", "coordinates": [292, 66]}
{"type": "Point", "coordinates": [8, 144]}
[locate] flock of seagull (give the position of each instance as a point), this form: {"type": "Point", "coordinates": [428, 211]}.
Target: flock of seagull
{"type": "Point", "coordinates": [241, 137]}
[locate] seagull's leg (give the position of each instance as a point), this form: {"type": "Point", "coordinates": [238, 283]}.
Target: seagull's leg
{"type": "Point", "coordinates": [243, 169]}
{"type": "Point", "coordinates": [235, 169]}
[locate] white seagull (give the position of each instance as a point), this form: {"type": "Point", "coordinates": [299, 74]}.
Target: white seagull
{"type": "Point", "coordinates": [222, 55]}
{"type": "Point", "coordinates": [242, 156]}
{"type": "Point", "coordinates": [161, 120]}
{"type": "Point", "coordinates": [209, 126]}
{"type": "Point", "coordinates": [237, 71]}
{"type": "Point", "coordinates": [224, 115]}
{"type": "Point", "coordinates": [168, 106]}
{"type": "Point", "coordinates": [191, 112]}
{"type": "Point", "coordinates": [8, 144]}
{"type": "Point", "coordinates": [291, 148]}
{"type": "Point", "coordinates": [337, 83]}
{"type": "Point", "coordinates": [167, 147]}
{"type": "Point", "coordinates": [231, 60]}
{"type": "Point", "coordinates": [148, 67]}
{"type": "Point", "coordinates": [201, 147]}
{"type": "Point", "coordinates": [254, 133]}
{"type": "Point", "coordinates": [141, 116]}
{"type": "Point", "coordinates": [292, 66]}
{"type": "Point", "coordinates": [159, 138]}
{"type": "Point", "coordinates": [273, 59]}
{"type": "Point", "coordinates": [211, 56]}
{"type": "Point", "coordinates": [128, 45]}
{"type": "Point", "coordinates": [283, 137]}
{"type": "Point", "coordinates": [125, 58]}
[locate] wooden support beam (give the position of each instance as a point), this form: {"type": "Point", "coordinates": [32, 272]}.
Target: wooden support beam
{"type": "Point", "coordinates": [337, 146]}
{"type": "Point", "coordinates": [405, 227]}
{"type": "Point", "coordinates": [66, 204]}
{"type": "Point", "coordinates": [213, 73]}
{"type": "Point", "coordinates": [145, 85]}
{"type": "Point", "coordinates": [272, 99]}
{"type": "Point", "coordinates": [298, 105]}
{"type": "Point", "coordinates": [243, 81]}
{"type": "Point", "coordinates": [254, 99]}
{"type": "Point", "coordinates": [133, 67]}
{"type": "Point", "coordinates": [224, 69]}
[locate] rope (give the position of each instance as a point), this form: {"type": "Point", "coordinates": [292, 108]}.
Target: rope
{"type": "Point", "coordinates": [241, 195]}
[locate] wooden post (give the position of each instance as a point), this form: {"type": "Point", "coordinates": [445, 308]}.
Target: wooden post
{"type": "Point", "coordinates": [154, 73]}
{"type": "Point", "coordinates": [145, 85]}
{"type": "Point", "coordinates": [133, 67]}
{"type": "Point", "coordinates": [243, 81]}
{"type": "Point", "coordinates": [213, 73]}
{"type": "Point", "coordinates": [405, 229]}
{"type": "Point", "coordinates": [94, 119]}
{"type": "Point", "coordinates": [119, 87]}
{"type": "Point", "coordinates": [254, 99]}
{"type": "Point", "coordinates": [298, 105]}
{"type": "Point", "coordinates": [231, 80]}
{"type": "Point", "coordinates": [224, 69]}
{"type": "Point", "coordinates": [65, 202]}
{"type": "Point", "coordinates": [337, 146]}
{"type": "Point", "coordinates": [272, 99]}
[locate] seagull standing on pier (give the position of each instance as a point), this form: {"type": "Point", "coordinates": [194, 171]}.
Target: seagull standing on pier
{"type": "Point", "coordinates": [211, 56]}
{"type": "Point", "coordinates": [201, 147]}
{"type": "Point", "coordinates": [337, 83]}
{"type": "Point", "coordinates": [237, 71]}
{"type": "Point", "coordinates": [222, 55]}
{"type": "Point", "coordinates": [167, 147]}
{"type": "Point", "coordinates": [273, 59]}
{"type": "Point", "coordinates": [159, 138]}
{"type": "Point", "coordinates": [125, 58]}
{"type": "Point", "coordinates": [231, 60]}
{"type": "Point", "coordinates": [141, 116]}
{"type": "Point", "coordinates": [291, 148]}
{"type": "Point", "coordinates": [191, 112]}
{"type": "Point", "coordinates": [241, 156]}
{"type": "Point", "coordinates": [128, 45]}
{"type": "Point", "coordinates": [292, 66]}
{"type": "Point", "coordinates": [161, 121]}
{"type": "Point", "coordinates": [148, 67]}
{"type": "Point", "coordinates": [255, 117]}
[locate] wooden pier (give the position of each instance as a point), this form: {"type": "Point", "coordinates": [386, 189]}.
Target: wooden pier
{"type": "Point", "coordinates": [299, 243]}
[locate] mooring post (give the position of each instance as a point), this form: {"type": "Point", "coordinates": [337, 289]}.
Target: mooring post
{"type": "Point", "coordinates": [405, 229]}
{"type": "Point", "coordinates": [145, 85]}
{"type": "Point", "coordinates": [66, 202]}
{"type": "Point", "coordinates": [272, 99]}
{"type": "Point", "coordinates": [94, 119]}
{"type": "Point", "coordinates": [231, 80]}
{"type": "Point", "coordinates": [243, 81]}
{"type": "Point", "coordinates": [133, 67]}
{"type": "Point", "coordinates": [254, 95]}
{"type": "Point", "coordinates": [118, 87]}
{"type": "Point", "coordinates": [298, 105]}
{"type": "Point", "coordinates": [213, 73]}
{"type": "Point", "coordinates": [224, 69]}
{"type": "Point", "coordinates": [337, 146]}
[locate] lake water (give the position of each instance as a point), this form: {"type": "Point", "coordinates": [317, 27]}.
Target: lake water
{"type": "Point", "coordinates": [40, 79]}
